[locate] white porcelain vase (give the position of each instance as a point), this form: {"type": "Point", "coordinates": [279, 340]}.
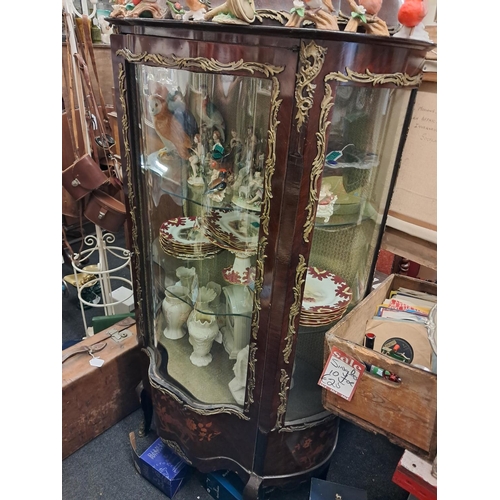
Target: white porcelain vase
{"type": "Point", "coordinates": [202, 327]}
{"type": "Point", "coordinates": [176, 310]}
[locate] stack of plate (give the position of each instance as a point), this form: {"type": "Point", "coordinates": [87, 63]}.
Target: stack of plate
{"type": "Point", "coordinates": [233, 230]}
{"type": "Point", "coordinates": [183, 238]}
{"type": "Point", "coordinates": [325, 300]}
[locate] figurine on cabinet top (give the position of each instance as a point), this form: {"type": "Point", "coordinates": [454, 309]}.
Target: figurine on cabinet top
{"type": "Point", "coordinates": [411, 15]}
{"type": "Point", "coordinates": [365, 15]}
{"type": "Point", "coordinates": [320, 12]}
{"type": "Point", "coordinates": [197, 10]}
{"type": "Point", "coordinates": [233, 12]}
{"type": "Point", "coordinates": [147, 8]}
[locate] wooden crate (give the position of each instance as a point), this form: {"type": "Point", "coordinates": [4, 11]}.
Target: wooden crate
{"type": "Point", "coordinates": [94, 399]}
{"type": "Point", "coordinates": [406, 413]}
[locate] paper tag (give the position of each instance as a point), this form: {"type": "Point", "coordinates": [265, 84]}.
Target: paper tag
{"type": "Point", "coordinates": [341, 374]}
{"type": "Point", "coordinates": [96, 362]}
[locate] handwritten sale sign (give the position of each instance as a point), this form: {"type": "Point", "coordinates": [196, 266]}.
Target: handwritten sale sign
{"type": "Point", "coordinates": [341, 374]}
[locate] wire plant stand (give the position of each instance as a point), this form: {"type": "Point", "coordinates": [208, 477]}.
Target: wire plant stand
{"type": "Point", "coordinates": [101, 246]}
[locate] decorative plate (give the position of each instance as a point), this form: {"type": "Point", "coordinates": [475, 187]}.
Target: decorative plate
{"type": "Point", "coordinates": [182, 237]}
{"type": "Point", "coordinates": [233, 230]}
{"type": "Point", "coordinates": [235, 278]}
{"type": "Point", "coordinates": [325, 293]}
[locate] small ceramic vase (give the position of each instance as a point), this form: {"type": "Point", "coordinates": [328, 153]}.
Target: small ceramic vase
{"type": "Point", "coordinates": [186, 277]}
{"type": "Point", "coordinates": [202, 327]}
{"type": "Point", "coordinates": [176, 309]}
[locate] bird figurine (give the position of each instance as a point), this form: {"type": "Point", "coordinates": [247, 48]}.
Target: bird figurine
{"type": "Point", "coordinates": [411, 15]}
{"type": "Point", "coordinates": [177, 106]}
{"type": "Point", "coordinates": [216, 186]}
{"type": "Point", "coordinates": [196, 10]}
{"type": "Point", "coordinates": [168, 128]}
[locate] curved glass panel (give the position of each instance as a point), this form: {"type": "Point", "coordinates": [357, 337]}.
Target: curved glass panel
{"type": "Point", "coordinates": [361, 147]}
{"type": "Point", "coordinates": [203, 145]}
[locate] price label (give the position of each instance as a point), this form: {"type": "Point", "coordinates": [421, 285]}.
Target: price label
{"type": "Point", "coordinates": [341, 374]}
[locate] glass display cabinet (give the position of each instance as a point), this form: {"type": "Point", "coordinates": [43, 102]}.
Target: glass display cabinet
{"type": "Point", "coordinates": [259, 162]}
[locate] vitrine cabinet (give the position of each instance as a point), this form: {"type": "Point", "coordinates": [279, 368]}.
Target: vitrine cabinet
{"type": "Point", "coordinates": [259, 164]}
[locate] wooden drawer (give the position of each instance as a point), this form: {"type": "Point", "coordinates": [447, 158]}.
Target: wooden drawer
{"type": "Point", "coordinates": [406, 413]}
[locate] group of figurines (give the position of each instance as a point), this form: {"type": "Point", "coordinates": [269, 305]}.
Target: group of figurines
{"type": "Point", "coordinates": [198, 311]}
{"type": "Point", "coordinates": [236, 166]}
{"type": "Point", "coordinates": [360, 16]}
{"type": "Point", "coordinates": [224, 164]}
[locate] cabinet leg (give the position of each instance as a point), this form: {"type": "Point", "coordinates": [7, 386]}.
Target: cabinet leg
{"type": "Point", "coordinates": [251, 490]}
{"type": "Point", "coordinates": [147, 409]}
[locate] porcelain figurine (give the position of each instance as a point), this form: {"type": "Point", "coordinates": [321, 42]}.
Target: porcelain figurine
{"type": "Point", "coordinates": [203, 327]}
{"type": "Point", "coordinates": [196, 161]}
{"type": "Point", "coordinates": [365, 14]}
{"type": "Point", "coordinates": [320, 12]}
{"type": "Point", "coordinates": [326, 202]}
{"type": "Point", "coordinates": [197, 10]}
{"type": "Point", "coordinates": [152, 7]}
{"type": "Point", "coordinates": [176, 310]}
{"type": "Point", "coordinates": [411, 15]}
{"type": "Point", "coordinates": [237, 385]}
{"type": "Point", "coordinates": [233, 12]}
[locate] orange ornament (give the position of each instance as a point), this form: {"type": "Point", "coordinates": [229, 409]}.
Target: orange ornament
{"type": "Point", "coordinates": [412, 12]}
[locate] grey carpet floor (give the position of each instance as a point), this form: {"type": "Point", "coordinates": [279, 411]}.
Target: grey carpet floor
{"type": "Point", "coordinates": [104, 468]}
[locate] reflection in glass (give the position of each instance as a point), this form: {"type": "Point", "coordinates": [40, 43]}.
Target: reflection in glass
{"type": "Point", "coordinates": [203, 145]}
{"type": "Point", "coordinates": [359, 161]}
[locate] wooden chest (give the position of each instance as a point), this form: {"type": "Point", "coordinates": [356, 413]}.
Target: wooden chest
{"type": "Point", "coordinates": [96, 398]}
{"type": "Point", "coordinates": [406, 413]}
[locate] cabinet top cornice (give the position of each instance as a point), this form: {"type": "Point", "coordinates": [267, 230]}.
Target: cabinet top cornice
{"type": "Point", "coordinates": [164, 27]}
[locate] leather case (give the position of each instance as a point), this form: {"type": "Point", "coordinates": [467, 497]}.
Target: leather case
{"type": "Point", "coordinates": [105, 211]}
{"type": "Point", "coordinates": [82, 177]}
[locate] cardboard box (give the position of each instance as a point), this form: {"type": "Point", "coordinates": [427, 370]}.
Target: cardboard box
{"type": "Point", "coordinates": [326, 490]}
{"type": "Point", "coordinates": [405, 413]}
{"type": "Point", "coordinates": [161, 466]}
{"type": "Point", "coordinates": [224, 485]}
{"type": "Point", "coordinates": [227, 485]}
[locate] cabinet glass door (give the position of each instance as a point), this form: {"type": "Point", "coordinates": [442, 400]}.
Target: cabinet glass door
{"type": "Point", "coordinates": [360, 153]}
{"type": "Point", "coordinates": [203, 143]}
